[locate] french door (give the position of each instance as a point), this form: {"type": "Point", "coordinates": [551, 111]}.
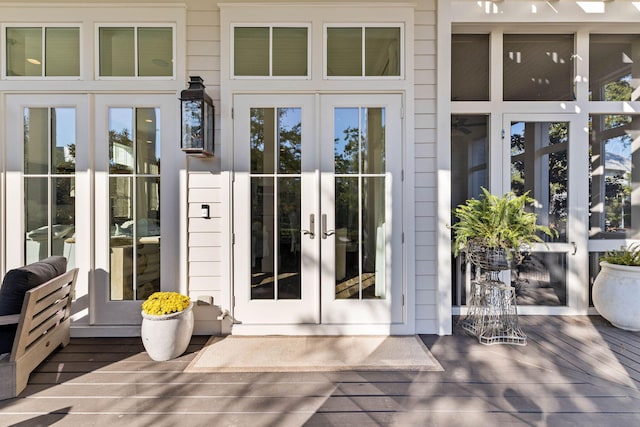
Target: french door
{"type": "Point", "coordinates": [317, 209]}
{"type": "Point", "coordinates": [136, 204]}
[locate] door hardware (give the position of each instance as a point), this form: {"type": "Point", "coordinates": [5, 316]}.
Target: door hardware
{"type": "Point", "coordinates": [312, 226]}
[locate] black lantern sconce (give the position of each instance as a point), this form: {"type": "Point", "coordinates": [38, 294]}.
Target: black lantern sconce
{"type": "Point", "coordinates": [197, 119]}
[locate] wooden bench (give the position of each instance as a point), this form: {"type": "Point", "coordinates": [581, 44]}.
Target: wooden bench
{"type": "Point", "coordinates": [43, 326]}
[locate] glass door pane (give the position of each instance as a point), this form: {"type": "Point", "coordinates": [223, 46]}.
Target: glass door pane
{"type": "Point", "coordinates": [275, 203]}
{"type": "Point", "coordinates": [539, 166]}
{"type": "Point", "coordinates": [360, 202]}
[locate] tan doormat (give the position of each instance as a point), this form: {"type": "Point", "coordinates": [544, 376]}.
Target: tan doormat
{"type": "Point", "coordinates": [313, 353]}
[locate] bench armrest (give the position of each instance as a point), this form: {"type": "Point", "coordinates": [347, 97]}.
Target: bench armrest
{"type": "Point", "coordinates": [10, 319]}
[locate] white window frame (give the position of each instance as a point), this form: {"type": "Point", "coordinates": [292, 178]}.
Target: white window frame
{"type": "Point", "coordinates": [135, 27]}
{"type": "Point", "coordinates": [270, 26]}
{"type": "Point", "coordinates": [363, 27]}
{"type": "Point", "coordinates": [43, 27]}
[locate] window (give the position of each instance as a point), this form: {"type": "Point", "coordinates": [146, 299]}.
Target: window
{"type": "Point", "coordinates": [270, 51]}
{"type": "Point", "coordinates": [49, 182]}
{"type": "Point", "coordinates": [470, 67]}
{"type": "Point", "coordinates": [538, 67]}
{"type": "Point", "coordinates": [42, 51]}
{"type": "Point", "coordinates": [134, 201]}
{"type": "Point", "coordinates": [136, 51]}
{"type": "Point", "coordinates": [363, 51]}
{"type": "Point", "coordinates": [611, 67]}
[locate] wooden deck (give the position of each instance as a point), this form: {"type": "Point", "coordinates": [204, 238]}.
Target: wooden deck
{"type": "Point", "coordinates": [576, 371]}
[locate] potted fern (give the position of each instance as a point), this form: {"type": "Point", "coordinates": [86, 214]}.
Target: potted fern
{"type": "Point", "coordinates": [616, 289]}
{"type": "Point", "coordinates": [494, 231]}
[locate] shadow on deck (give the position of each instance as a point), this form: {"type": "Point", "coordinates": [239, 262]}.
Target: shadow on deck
{"type": "Point", "coordinates": [573, 371]}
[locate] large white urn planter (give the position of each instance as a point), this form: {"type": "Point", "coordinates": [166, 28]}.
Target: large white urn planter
{"type": "Point", "coordinates": [616, 295]}
{"type": "Point", "coordinates": [167, 337]}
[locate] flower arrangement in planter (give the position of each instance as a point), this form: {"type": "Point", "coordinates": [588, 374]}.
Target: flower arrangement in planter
{"type": "Point", "coordinates": [499, 225]}
{"type": "Point", "coordinates": [160, 303]}
{"type": "Point", "coordinates": [167, 325]}
{"type": "Point", "coordinates": [616, 289]}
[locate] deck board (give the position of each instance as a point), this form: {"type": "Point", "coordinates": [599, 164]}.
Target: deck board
{"type": "Point", "coordinates": [573, 371]}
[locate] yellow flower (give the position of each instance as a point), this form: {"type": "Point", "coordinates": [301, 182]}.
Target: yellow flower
{"type": "Point", "coordinates": [160, 303]}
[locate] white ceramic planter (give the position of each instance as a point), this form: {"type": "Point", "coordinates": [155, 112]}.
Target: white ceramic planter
{"type": "Point", "coordinates": [616, 295]}
{"type": "Point", "coordinates": [167, 337]}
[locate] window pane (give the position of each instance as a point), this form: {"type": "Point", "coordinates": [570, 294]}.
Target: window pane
{"type": "Point", "coordinates": [122, 235]}
{"type": "Point", "coordinates": [117, 52]}
{"type": "Point", "coordinates": [24, 51]}
{"type": "Point", "coordinates": [62, 51]}
{"type": "Point", "coordinates": [63, 140]}
{"type": "Point", "coordinates": [289, 254]}
{"type": "Point", "coordinates": [251, 51]}
{"type": "Point", "coordinates": [63, 212]}
{"type": "Point", "coordinates": [373, 141]}
{"type": "Point", "coordinates": [347, 237]}
{"type": "Point", "coordinates": [120, 140]}
{"type": "Point", "coordinates": [346, 140]}
{"type": "Point", "coordinates": [148, 141]}
{"type": "Point", "coordinates": [36, 140]}
{"type": "Point", "coordinates": [155, 51]}
{"type": "Point", "coordinates": [539, 165]}
{"type": "Point", "coordinates": [289, 140]}
{"type": "Point", "coordinates": [290, 52]}
{"type": "Point", "coordinates": [148, 236]}
{"type": "Point", "coordinates": [469, 160]}
{"type": "Point", "coordinates": [36, 219]}
{"type": "Point", "coordinates": [262, 235]}
{"type": "Point", "coordinates": [538, 67]}
{"type": "Point", "coordinates": [470, 67]}
{"type": "Point", "coordinates": [614, 159]}
{"type": "Point", "coordinates": [612, 75]}
{"type": "Point", "coordinates": [541, 279]}
{"type": "Point", "coordinates": [373, 237]}
{"type": "Point", "coordinates": [382, 52]}
{"type": "Point", "coordinates": [344, 51]}
{"type": "Point", "coordinates": [262, 140]}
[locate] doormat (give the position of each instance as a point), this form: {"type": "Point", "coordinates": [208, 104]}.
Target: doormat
{"type": "Point", "coordinates": [313, 353]}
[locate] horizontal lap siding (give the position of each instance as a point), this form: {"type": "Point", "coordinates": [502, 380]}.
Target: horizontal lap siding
{"type": "Point", "coordinates": [208, 248]}
{"type": "Point", "coordinates": [425, 168]}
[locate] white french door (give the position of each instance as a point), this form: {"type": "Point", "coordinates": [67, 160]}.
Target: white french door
{"type": "Point", "coordinates": [136, 204]}
{"type": "Point", "coordinates": [318, 209]}
{"type": "Point", "coordinates": [47, 164]}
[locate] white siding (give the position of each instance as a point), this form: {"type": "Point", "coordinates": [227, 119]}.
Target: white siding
{"type": "Point", "coordinates": [426, 248]}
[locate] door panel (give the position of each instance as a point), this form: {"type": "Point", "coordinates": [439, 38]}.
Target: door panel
{"type": "Point", "coordinates": [361, 236]}
{"type": "Point", "coordinates": [541, 164]}
{"type": "Point", "coordinates": [135, 199]}
{"type": "Point", "coordinates": [275, 203]}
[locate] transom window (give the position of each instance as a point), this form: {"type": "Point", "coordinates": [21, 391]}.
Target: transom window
{"type": "Point", "coordinates": [264, 51]}
{"type": "Point", "coordinates": [136, 51]}
{"type": "Point", "coordinates": [36, 51]}
{"type": "Point", "coordinates": [355, 51]}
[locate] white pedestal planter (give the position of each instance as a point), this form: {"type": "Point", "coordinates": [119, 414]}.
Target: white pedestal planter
{"type": "Point", "coordinates": [167, 337]}
{"type": "Point", "coordinates": [616, 295]}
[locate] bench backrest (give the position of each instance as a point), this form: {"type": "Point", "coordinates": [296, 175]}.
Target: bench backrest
{"type": "Point", "coordinates": [44, 308]}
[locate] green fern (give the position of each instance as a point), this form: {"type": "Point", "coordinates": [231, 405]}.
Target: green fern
{"type": "Point", "coordinates": [624, 256]}
{"type": "Point", "coordinates": [497, 223]}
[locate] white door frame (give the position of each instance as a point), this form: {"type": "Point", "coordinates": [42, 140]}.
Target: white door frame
{"type": "Point", "coordinates": [326, 315]}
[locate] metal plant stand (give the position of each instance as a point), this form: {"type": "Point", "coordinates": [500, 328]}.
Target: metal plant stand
{"type": "Point", "coordinates": [493, 315]}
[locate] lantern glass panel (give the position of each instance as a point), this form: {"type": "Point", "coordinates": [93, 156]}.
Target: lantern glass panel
{"type": "Point", "coordinates": [192, 122]}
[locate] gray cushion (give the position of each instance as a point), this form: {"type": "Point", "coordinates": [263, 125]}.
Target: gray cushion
{"type": "Point", "coordinates": [15, 285]}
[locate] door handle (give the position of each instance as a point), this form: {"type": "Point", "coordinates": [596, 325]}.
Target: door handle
{"type": "Point", "coordinates": [575, 248]}
{"type": "Point", "coordinates": [312, 226]}
{"type": "Point", "coordinates": [326, 233]}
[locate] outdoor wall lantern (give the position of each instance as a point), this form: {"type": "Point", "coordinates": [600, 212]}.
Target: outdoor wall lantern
{"type": "Point", "coordinates": [197, 119]}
